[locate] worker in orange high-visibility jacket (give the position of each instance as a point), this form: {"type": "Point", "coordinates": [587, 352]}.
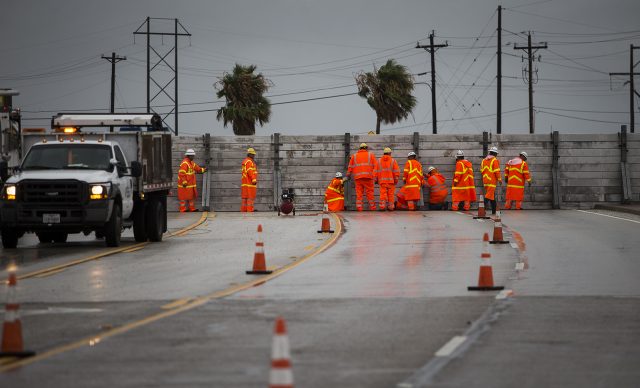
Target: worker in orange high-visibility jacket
{"type": "Point", "coordinates": [516, 172]}
{"type": "Point", "coordinates": [491, 176]}
{"type": "Point", "coordinates": [463, 188]}
{"type": "Point", "coordinates": [187, 191]}
{"type": "Point", "coordinates": [362, 168]}
{"type": "Point", "coordinates": [388, 174]}
{"type": "Point", "coordinates": [437, 189]}
{"type": "Point", "coordinates": [249, 184]}
{"type": "Point", "coordinates": [413, 180]}
{"type": "Point", "coordinates": [334, 195]}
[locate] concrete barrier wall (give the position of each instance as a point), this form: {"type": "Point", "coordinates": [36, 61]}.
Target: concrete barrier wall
{"type": "Point", "coordinates": [588, 166]}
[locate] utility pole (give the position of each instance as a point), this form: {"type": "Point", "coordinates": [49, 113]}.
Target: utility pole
{"type": "Point", "coordinates": [113, 59]}
{"type": "Point", "coordinates": [431, 48]}
{"type": "Point", "coordinates": [499, 76]}
{"type": "Point", "coordinates": [632, 90]}
{"type": "Point", "coordinates": [530, 52]}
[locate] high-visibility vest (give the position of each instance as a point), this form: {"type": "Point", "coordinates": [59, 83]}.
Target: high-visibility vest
{"type": "Point", "coordinates": [187, 173]}
{"type": "Point", "coordinates": [388, 170]}
{"type": "Point", "coordinates": [335, 191]}
{"type": "Point", "coordinates": [516, 172]}
{"type": "Point", "coordinates": [249, 173]}
{"type": "Point", "coordinates": [438, 190]}
{"type": "Point", "coordinates": [363, 165]}
{"type": "Point", "coordinates": [413, 174]}
{"type": "Point", "coordinates": [463, 176]}
{"type": "Point", "coordinates": [490, 170]}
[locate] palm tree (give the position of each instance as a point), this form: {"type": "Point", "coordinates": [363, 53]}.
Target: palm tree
{"type": "Point", "coordinates": [245, 102]}
{"type": "Point", "coordinates": [388, 92]}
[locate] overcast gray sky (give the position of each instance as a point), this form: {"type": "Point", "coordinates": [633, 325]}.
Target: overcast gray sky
{"type": "Point", "coordinates": [310, 49]}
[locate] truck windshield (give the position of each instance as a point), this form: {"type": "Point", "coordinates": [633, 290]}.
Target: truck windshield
{"type": "Point", "coordinates": [68, 156]}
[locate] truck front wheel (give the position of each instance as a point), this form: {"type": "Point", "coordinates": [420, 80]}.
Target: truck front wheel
{"type": "Point", "coordinates": [155, 220]}
{"type": "Point", "coordinates": [113, 228]}
{"type": "Point", "coordinates": [9, 238]}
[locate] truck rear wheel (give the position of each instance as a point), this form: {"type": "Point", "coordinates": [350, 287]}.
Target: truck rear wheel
{"type": "Point", "coordinates": [139, 222]}
{"type": "Point", "coordinates": [9, 238]}
{"type": "Point", "coordinates": [155, 220]}
{"type": "Point", "coordinates": [113, 228]}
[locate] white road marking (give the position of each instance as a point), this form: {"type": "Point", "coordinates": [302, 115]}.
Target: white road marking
{"type": "Point", "coordinates": [57, 310]}
{"type": "Point", "coordinates": [504, 294]}
{"type": "Point", "coordinates": [514, 245]}
{"type": "Point", "coordinates": [450, 346]}
{"type": "Point", "coordinates": [519, 266]}
{"type": "Point", "coordinates": [606, 215]}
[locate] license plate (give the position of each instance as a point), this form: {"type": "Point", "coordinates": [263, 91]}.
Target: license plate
{"type": "Point", "coordinates": [51, 218]}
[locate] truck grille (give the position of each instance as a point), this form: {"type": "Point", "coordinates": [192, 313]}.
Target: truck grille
{"type": "Point", "coordinates": [52, 192]}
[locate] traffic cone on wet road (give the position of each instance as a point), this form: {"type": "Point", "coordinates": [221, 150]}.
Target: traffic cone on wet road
{"type": "Point", "coordinates": [485, 277]}
{"type": "Point", "coordinates": [497, 231]}
{"type": "Point", "coordinates": [326, 224]}
{"type": "Point", "coordinates": [482, 214]}
{"type": "Point", "coordinates": [12, 344]}
{"type": "Point", "coordinates": [281, 375]}
{"type": "Point", "coordinates": [259, 261]}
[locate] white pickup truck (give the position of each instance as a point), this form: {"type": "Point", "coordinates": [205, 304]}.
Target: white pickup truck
{"type": "Point", "coordinates": [74, 180]}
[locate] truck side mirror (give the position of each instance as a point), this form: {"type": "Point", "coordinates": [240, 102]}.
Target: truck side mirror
{"type": "Point", "coordinates": [136, 169]}
{"type": "Point", "coordinates": [4, 170]}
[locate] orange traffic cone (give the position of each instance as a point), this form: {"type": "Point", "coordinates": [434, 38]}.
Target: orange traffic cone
{"type": "Point", "coordinates": [482, 214]}
{"type": "Point", "coordinates": [259, 261]}
{"type": "Point", "coordinates": [326, 224]}
{"type": "Point", "coordinates": [281, 375]}
{"type": "Point", "coordinates": [12, 345]}
{"type": "Point", "coordinates": [497, 231]}
{"type": "Point", "coordinates": [485, 277]}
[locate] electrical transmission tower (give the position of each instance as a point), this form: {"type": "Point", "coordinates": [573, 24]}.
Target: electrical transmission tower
{"type": "Point", "coordinates": [531, 51]}
{"type": "Point", "coordinates": [154, 75]}
{"type": "Point", "coordinates": [632, 91]}
{"type": "Point", "coordinates": [431, 48]}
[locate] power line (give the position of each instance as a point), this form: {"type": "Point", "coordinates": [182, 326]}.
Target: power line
{"type": "Point", "coordinates": [579, 118]}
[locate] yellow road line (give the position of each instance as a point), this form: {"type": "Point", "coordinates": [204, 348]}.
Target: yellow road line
{"type": "Point", "coordinates": [192, 304]}
{"type": "Point", "coordinates": [133, 249]}
{"type": "Point", "coordinates": [176, 303]}
{"type": "Point", "coordinates": [45, 274]}
{"type": "Point", "coordinates": [55, 269]}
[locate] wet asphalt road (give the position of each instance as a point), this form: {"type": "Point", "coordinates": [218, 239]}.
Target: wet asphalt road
{"type": "Point", "coordinates": [369, 311]}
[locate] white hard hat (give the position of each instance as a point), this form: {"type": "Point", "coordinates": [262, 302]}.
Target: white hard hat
{"type": "Point", "coordinates": [190, 152]}
{"type": "Point", "coordinates": [431, 168]}
{"type": "Point", "coordinates": [459, 153]}
{"type": "Point", "coordinates": [338, 174]}
{"type": "Point", "coordinates": [524, 154]}
{"type": "Point", "coordinates": [493, 149]}
{"type": "Point", "coordinates": [411, 154]}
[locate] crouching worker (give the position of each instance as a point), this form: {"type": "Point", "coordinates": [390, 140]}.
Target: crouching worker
{"type": "Point", "coordinates": [334, 196]}
{"type": "Point", "coordinates": [437, 190]}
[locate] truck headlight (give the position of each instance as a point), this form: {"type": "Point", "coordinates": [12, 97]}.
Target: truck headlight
{"type": "Point", "coordinates": [10, 192]}
{"type": "Point", "coordinates": [99, 191]}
